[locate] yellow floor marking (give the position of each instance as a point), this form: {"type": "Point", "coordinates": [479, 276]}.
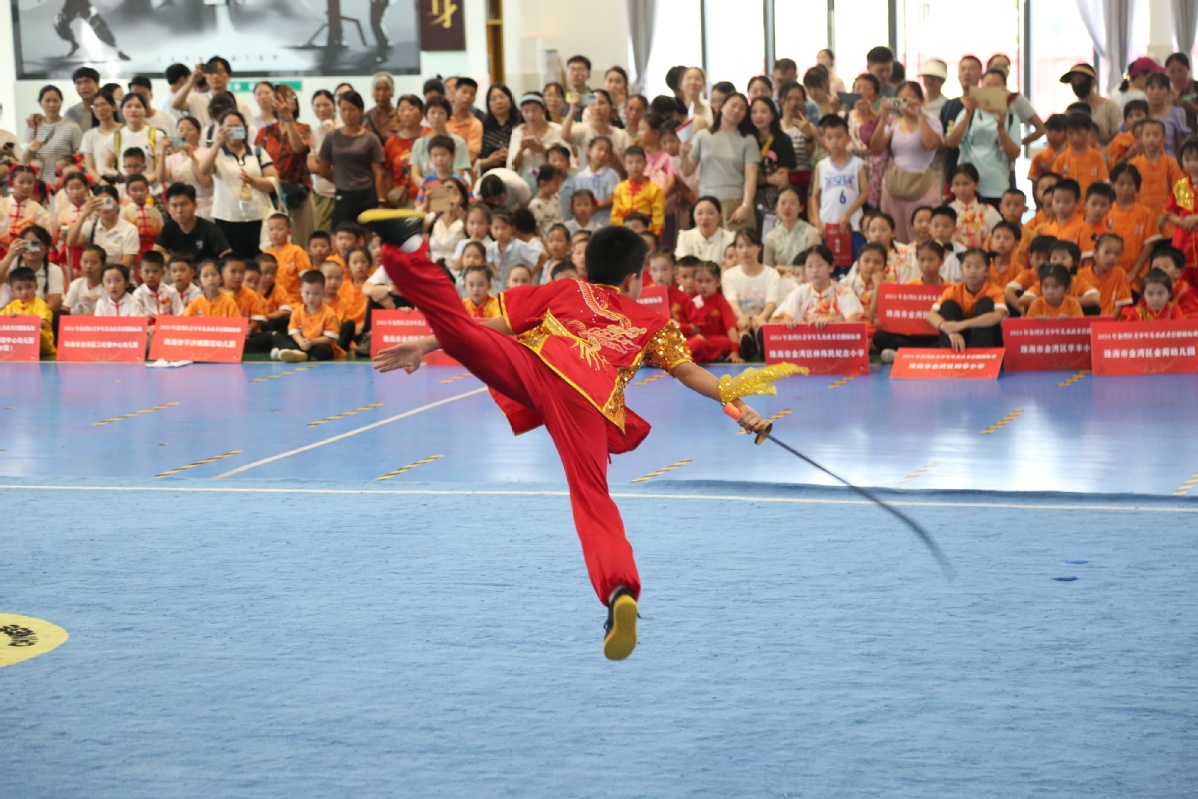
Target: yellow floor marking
{"type": "Point", "coordinates": [917, 473]}
{"type": "Point", "coordinates": [1003, 422]}
{"type": "Point", "coordinates": [844, 380]}
{"type": "Point", "coordinates": [409, 467]}
{"type": "Point", "coordinates": [199, 463]}
{"type": "Point", "coordinates": [1185, 487]}
{"type": "Point", "coordinates": [462, 376]}
{"type": "Point", "coordinates": [295, 371]}
{"type": "Point", "coordinates": [135, 413]}
{"type": "Point", "coordinates": [347, 413]}
{"type": "Point", "coordinates": [649, 380]}
{"type": "Point", "coordinates": [659, 472]}
{"type": "Point", "coordinates": [1074, 379]}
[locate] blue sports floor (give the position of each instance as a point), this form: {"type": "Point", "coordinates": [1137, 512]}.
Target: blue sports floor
{"type": "Point", "coordinates": [253, 612]}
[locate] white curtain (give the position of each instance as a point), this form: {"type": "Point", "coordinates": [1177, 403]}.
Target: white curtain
{"type": "Point", "coordinates": [642, 16]}
{"type": "Point", "coordinates": [1185, 20]}
{"type": "Point", "coordinates": [1109, 24]}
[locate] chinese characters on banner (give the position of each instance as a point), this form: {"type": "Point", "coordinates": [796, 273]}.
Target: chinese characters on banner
{"type": "Point", "coordinates": [1145, 348]}
{"type": "Point", "coordinates": [442, 25]}
{"type": "Point", "coordinates": [838, 349]}
{"type": "Point", "coordinates": [199, 339]}
{"type": "Point", "coordinates": [389, 328]}
{"type": "Point", "coordinates": [904, 310]}
{"type": "Point", "coordinates": [20, 338]}
{"type": "Point", "coordinates": [982, 363]}
{"type": "Point", "coordinates": [102, 338]}
{"type": "Point", "coordinates": [1047, 345]}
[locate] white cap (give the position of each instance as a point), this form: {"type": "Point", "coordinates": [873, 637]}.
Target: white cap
{"type": "Point", "coordinates": [935, 68]}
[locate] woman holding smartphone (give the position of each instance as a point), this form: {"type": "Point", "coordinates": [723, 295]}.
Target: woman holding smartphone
{"type": "Point", "coordinates": [182, 165]}
{"type": "Point", "coordinates": [101, 224]}
{"type": "Point", "coordinates": [244, 179]}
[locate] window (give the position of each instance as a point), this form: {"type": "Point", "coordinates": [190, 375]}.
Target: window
{"type": "Point", "coordinates": [800, 31]}
{"type": "Point", "coordinates": [1059, 40]}
{"type": "Point", "coordinates": [677, 39]}
{"type": "Point", "coordinates": [735, 41]}
{"type": "Point", "coordinates": [861, 25]}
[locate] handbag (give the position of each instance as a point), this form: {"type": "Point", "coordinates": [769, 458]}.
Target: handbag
{"type": "Point", "coordinates": [294, 194]}
{"type": "Point", "coordinates": [904, 185]}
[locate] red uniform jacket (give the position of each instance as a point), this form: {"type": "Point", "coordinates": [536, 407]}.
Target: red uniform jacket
{"type": "Point", "coordinates": [710, 316]}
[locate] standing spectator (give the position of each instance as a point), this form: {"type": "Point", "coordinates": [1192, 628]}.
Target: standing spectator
{"type": "Point", "coordinates": [462, 121]}
{"type": "Point", "coordinates": [912, 138]}
{"type": "Point", "coordinates": [555, 101]}
{"type": "Point", "coordinates": [796, 123]}
{"type": "Point", "coordinates": [615, 83]}
{"type": "Point", "coordinates": [182, 166]}
{"type": "Point", "coordinates": [815, 82]}
{"type": "Point", "coordinates": [216, 73]}
{"type": "Point", "coordinates": [48, 135]}
{"type": "Point", "coordinates": [776, 153]}
{"type": "Point", "coordinates": [397, 152]}
{"type": "Point", "coordinates": [383, 119]}
{"type": "Point", "coordinates": [436, 113]}
{"type": "Point", "coordinates": [288, 142]}
{"type": "Point", "coordinates": [352, 158]}
{"type": "Point", "coordinates": [244, 177]}
{"type": "Point", "coordinates": [728, 156]}
{"type": "Point", "coordinates": [497, 127]}
{"type": "Point", "coordinates": [136, 133]}
{"type": "Point", "coordinates": [94, 145]}
{"type": "Point", "coordinates": [969, 75]}
{"type": "Point", "coordinates": [324, 107]}
{"type": "Point", "coordinates": [264, 95]}
{"type": "Point", "coordinates": [933, 75]}
{"type": "Point", "coordinates": [863, 121]}
{"type": "Point", "coordinates": [1185, 88]}
{"type": "Point", "coordinates": [602, 124]}
{"type": "Point", "coordinates": [176, 76]}
{"type": "Point", "coordinates": [140, 84]}
{"type": "Point", "coordinates": [985, 141]}
{"type": "Point", "coordinates": [827, 60]}
{"type": "Point", "coordinates": [691, 87]}
{"type": "Point", "coordinates": [785, 69]}
{"type": "Point", "coordinates": [1158, 89]}
{"type": "Point", "coordinates": [578, 74]}
{"type": "Point", "coordinates": [532, 140]}
{"type": "Point", "coordinates": [87, 86]}
{"type": "Point", "coordinates": [635, 109]}
{"type": "Point", "coordinates": [1104, 111]}
{"type": "Point", "coordinates": [879, 62]}
{"type": "Point", "coordinates": [659, 168]}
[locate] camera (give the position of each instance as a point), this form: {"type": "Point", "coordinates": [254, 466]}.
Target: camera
{"type": "Point", "coordinates": [898, 106]}
{"type": "Point", "coordinates": [178, 141]}
{"type": "Point", "coordinates": [237, 133]}
{"type": "Point", "coordinates": [108, 203]}
{"type": "Point", "coordinates": [33, 246]}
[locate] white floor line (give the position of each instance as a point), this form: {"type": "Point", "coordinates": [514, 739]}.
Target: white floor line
{"type": "Point", "coordinates": [354, 432]}
{"type": "Point", "coordinates": [1028, 506]}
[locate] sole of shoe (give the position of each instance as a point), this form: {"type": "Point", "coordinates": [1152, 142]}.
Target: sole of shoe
{"type": "Point", "coordinates": [293, 356]}
{"type": "Point", "coordinates": [621, 640]}
{"type": "Point", "coordinates": [385, 214]}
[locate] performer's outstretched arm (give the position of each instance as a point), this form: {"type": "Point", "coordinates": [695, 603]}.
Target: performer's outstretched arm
{"type": "Point", "coordinates": [408, 355]}
{"type": "Point", "coordinates": [701, 381]}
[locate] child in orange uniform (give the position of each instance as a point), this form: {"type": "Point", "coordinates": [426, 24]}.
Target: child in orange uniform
{"type": "Point", "coordinates": [479, 303]}
{"type": "Point", "coordinates": [1080, 161]}
{"type": "Point", "coordinates": [1066, 223]}
{"type": "Point", "coordinates": [711, 322]}
{"type": "Point", "coordinates": [579, 345]}
{"type": "Point", "coordinates": [314, 328]}
{"type": "Point", "coordinates": [1125, 146]}
{"type": "Point", "coordinates": [1154, 305]}
{"type": "Point", "coordinates": [249, 303]}
{"type": "Point", "coordinates": [278, 301]}
{"type": "Point", "coordinates": [1158, 172]}
{"type": "Point", "coordinates": [291, 259]}
{"type": "Point", "coordinates": [1057, 142]}
{"type": "Point", "coordinates": [1132, 222]}
{"type": "Point", "coordinates": [1056, 302]}
{"type": "Point", "coordinates": [334, 276]}
{"type": "Point", "coordinates": [970, 313]}
{"type": "Point", "coordinates": [1172, 262]}
{"type": "Point", "coordinates": [1099, 199]}
{"type": "Point", "coordinates": [1114, 292]}
{"type": "Point", "coordinates": [213, 301]}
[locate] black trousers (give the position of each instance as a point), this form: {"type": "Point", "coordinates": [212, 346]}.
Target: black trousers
{"type": "Point", "coordinates": [243, 237]}
{"type": "Point", "coordinates": [885, 340]}
{"type": "Point", "coordinates": [974, 336]}
{"type": "Point", "coordinates": [348, 204]}
{"type": "Point", "coordinates": [317, 352]}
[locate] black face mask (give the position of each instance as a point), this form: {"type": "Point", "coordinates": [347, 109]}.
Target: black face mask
{"type": "Point", "coordinates": [1082, 86]}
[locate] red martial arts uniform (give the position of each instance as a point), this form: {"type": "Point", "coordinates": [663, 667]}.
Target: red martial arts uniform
{"type": "Point", "coordinates": [577, 346]}
{"type": "Point", "coordinates": [680, 304]}
{"type": "Point", "coordinates": [1140, 312]}
{"type": "Point", "coordinates": [708, 322]}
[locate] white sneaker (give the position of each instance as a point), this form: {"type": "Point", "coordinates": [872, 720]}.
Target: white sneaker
{"type": "Point", "coordinates": [888, 356]}
{"type": "Point", "coordinates": [274, 354]}
{"type": "Point", "coordinates": [293, 356]}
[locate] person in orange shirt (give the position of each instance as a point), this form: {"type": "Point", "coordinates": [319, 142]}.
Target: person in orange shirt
{"type": "Point", "coordinates": [1155, 304]}
{"type": "Point", "coordinates": [1080, 161]}
{"type": "Point", "coordinates": [291, 259]}
{"type": "Point", "coordinates": [361, 267]}
{"type": "Point", "coordinates": [1125, 146]}
{"type": "Point", "coordinates": [320, 247]}
{"type": "Point", "coordinates": [1172, 262]}
{"type": "Point", "coordinates": [1042, 194]}
{"type": "Point", "coordinates": [249, 302]}
{"type": "Point", "coordinates": [1081, 287]}
{"type": "Point", "coordinates": [1099, 199]}
{"type": "Point", "coordinates": [1114, 291]}
{"type": "Point", "coordinates": [970, 313]}
{"type": "Point", "coordinates": [1132, 222]}
{"type": "Point", "coordinates": [278, 302]}
{"type": "Point", "coordinates": [462, 121]}
{"type": "Point", "coordinates": [1042, 161]}
{"type": "Point", "coordinates": [1027, 278]}
{"type": "Point", "coordinates": [479, 302]}
{"type": "Point", "coordinates": [1056, 302]}
{"type": "Point", "coordinates": [213, 300]}
{"type": "Point", "coordinates": [1005, 242]}
{"type": "Point", "coordinates": [1158, 172]}
{"type": "Point", "coordinates": [314, 328]}
{"type": "Point", "coordinates": [334, 278]}
{"type": "Point", "coordinates": [1066, 224]}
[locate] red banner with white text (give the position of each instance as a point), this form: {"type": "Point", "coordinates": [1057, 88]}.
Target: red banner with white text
{"type": "Point", "coordinates": [1047, 344]}
{"type": "Point", "coordinates": [904, 309]}
{"type": "Point", "coordinates": [209, 339]}
{"type": "Point", "coordinates": [983, 363]}
{"type": "Point", "coordinates": [20, 338]}
{"type": "Point", "coordinates": [1145, 348]}
{"type": "Point", "coordinates": [104, 339]}
{"type": "Point", "coordinates": [388, 328]}
{"type": "Point", "coordinates": [838, 349]}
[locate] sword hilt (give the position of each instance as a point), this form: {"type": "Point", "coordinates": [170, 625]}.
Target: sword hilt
{"type": "Point", "coordinates": [762, 434]}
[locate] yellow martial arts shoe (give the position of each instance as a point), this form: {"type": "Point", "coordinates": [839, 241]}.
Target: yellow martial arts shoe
{"type": "Point", "coordinates": [394, 226]}
{"type": "Point", "coordinates": [621, 626]}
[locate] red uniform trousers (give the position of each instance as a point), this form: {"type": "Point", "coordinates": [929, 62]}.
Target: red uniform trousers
{"type": "Point", "coordinates": [578, 429]}
{"type": "Point", "coordinates": [707, 349]}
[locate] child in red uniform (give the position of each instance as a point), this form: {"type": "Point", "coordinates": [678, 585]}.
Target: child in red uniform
{"type": "Point", "coordinates": [711, 324]}
{"type": "Point", "coordinates": [579, 344]}
{"type": "Point", "coordinates": [1172, 262]}
{"type": "Point", "coordinates": [1154, 305]}
{"type": "Point", "coordinates": [1180, 210]}
{"type": "Point", "coordinates": [661, 270]}
{"type": "Point", "coordinates": [970, 313]}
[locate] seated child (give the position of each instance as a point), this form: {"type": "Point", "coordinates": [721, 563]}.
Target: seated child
{"type": "Point", "coordinates": [792, 235]}
{"type": "Point", "coordinates": [710, 326]}
{"type": "Point", "coordinates": [86, 290]}
{"type": "Point", "coordinates": [1037, 255]}
{"type": "Point", "coordinates": [582, 206]}
{"type": "Point", "coordinates": [930, 256]}
{"type": "Point", "coordinates": [347, 236]}
{"type": "Point", "coordinates": [333, 279]}
{"type": "Point", "coordinates": [563, 270]}
{"type": "Point", "coordinates": [1042, 193]}
{"type": "Point", "coordinates": [819, 301]}
{"type": "Point", "coordinates": [557, 246]}
{"type": "Point", "coordinates": [213, 300]}
{"type": "Point", "coordinates": [1124, 146]}
{"type": "Point", "coordinates": [479, 302]}
{"type": "Point", "coordinates": [975, 219]}
{"type": "Point", "coordinates": [250, 304]}
{"type": "Point", "coordinates": [638, 193]}
{"type": "Point", "coordinates": [1004, 243]}
{"type": "Point", "coordinates": [278, 302]}
{"type": "Point", "coordinates": [141, 213]}
{"type": "Point", "coordinates": [1099, 199]}
{"type": "Point", "coordinates": [752, 292]}
{"type": "Point", "coordinates": [23, 283]}
{"type": "Point", "coordinates": [578, 249]}
{"type": "Point", "coordinates": [546, 207]}
{"type": "Point", "coordinates": [970, 313]}
{"type": "Point", "coordinates": [684, 274]}
{"type": "Point", "coordinates": [314, 327]}
{"type": "Point", "coordinates": [943, 228]}
{"type": "Point", "coordinates": [1056, 303]}
{"type": "Point", "coordinates": [182, 267]}
{"type": "Point", "coordinates": [661, 269]}
{"type": "Point", "coordinates": [1132, 222]}
{"type": "Point", "coordinates": [1055, 136]}
{"type": "Point", "coordinates": [118, 299]}
{"type": "Point", "coordinates": [520, 275]}
{"type": "Point", "coordinates": [1155, 304]}
{"type": "Point", "coordinates": [524, 228]}
{"type": "Point", "coordinates": [921, 225]}
{"type": "Point", "coordinates": [320, 248]}
{"type": "Point", "coordinates": [290, 259]}
{"type": "Point", "coordinates": [900, 258]}
{"type": "Point", "coordinates": [871, 273]}
{"type": "Point", "coordinates": [156, 298]}
{"type": "Point", "coordinates": [1081, 287]}
{"type": "Point", "coordinates": [1114, 291]}
{"type": "Point", "coordinates": [1172, 262]}
{"type": "Point", "coordinates": [635, 221]}
{"type": "Point", "coordinates": [1066, 224]}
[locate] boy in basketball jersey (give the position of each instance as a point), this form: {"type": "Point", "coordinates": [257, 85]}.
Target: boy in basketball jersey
{"type": "Point", "coordinates": [839, 186]}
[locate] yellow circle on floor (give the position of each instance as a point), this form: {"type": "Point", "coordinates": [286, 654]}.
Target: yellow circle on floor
{"type": "Point", "coordinates": [23, 637]}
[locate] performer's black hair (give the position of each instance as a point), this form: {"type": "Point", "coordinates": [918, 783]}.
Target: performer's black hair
{"type": "Point", "coordinates": [614, 253]}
